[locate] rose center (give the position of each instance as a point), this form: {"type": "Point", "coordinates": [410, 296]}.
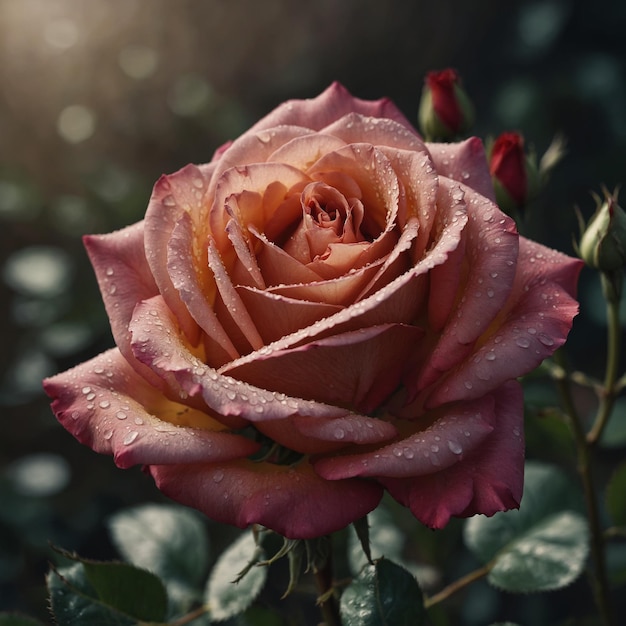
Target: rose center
{"type": "Point", "coordinates": [328, 218]}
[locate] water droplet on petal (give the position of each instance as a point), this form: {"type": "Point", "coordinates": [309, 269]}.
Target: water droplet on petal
{"type": "Point", "coordinates": [130, 437]}
{"type": "Point", "coordinates": [121, 415]}
{"type": "Point", "coordinates": [218, 476]}
{"type": "Point", "coordinates": [455, 447]}
{"type": "Point", "coordinates": [545, 339]}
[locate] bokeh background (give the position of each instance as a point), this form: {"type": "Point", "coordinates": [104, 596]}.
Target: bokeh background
{"type": "Point", "coordinates": [99, 97]}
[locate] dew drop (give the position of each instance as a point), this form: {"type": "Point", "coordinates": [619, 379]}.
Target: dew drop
{"type": "Point", "coordinates": [545, 339]}
{"type": "Point", "coordinates": [138, 421]}
{"type": "Point", "coordinates": [109, 271]}
{"type": "Point", "coordinates": [130, 437]}
{"type": "Point", "coordinates": [108, 434]}
{"type": "Point", "coordinates": [339, 433]}
{"type": "Point", "coordinates": [105, 404]}
{"type": "Point", "coordinates": [434, 448]}
{"type": "Point", "coordinates": [218, 476]}
{"type": "Point", "coordinates": [121, 415]}
{"type": "Point", "coordinates": [86, 390]}
{"type": "Point", "coordinates": [522, 342]}
{"type": "Point", "coordinates": [455, 447]}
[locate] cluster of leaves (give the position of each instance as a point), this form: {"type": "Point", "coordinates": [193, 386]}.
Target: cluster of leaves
{"type": "Point", "coordinates": [166, 576]}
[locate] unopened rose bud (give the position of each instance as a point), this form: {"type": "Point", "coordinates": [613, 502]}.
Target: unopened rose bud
{"type": "Point", "coordinates": [445, 110]}
{"type": "Point", "coordinates": [603, 242]}
{"type": "Point", "coordinates": [514, 172]}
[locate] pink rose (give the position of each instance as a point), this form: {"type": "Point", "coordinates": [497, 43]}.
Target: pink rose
{"type": "Point", "coordinates": [327, 309]}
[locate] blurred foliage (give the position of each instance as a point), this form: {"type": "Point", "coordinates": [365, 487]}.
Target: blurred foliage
{"type": "Point", "coordinates": [98, 99]}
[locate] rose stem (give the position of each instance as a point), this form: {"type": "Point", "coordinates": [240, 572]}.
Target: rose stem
{"type": "Point", "coordinates": [327, 601]}
{"type": "Point", "coordinates": [601, 584]}
{"type": "Point", "coordinates": [614, 336]}
{"type": "Point", "coordinates": [190, 617]}
{"type": "Point", "coordinates": [457, 585]}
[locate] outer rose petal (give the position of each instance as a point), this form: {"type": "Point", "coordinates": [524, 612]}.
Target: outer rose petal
{"type": "Point", "coordinates": [464, 162]}
{"type": "Point", "coordinates": [534, 322]}
{"type": "Point", "coordinates": [489, 480]}
{"type": "Point", "coordinates": [329, 106]}
{"type": "Point", "coordinates": [293, 501]}
{"type": "Point", "coordinates": [184, 191]}
{"type": "Point", "coordinates": [124, 279]}
{"type": "Point", "coordinates": [457, 430]}
{"type": "Point", "coordinates": [108, 407]}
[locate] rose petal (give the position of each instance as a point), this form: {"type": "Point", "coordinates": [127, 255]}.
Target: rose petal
{"type": "Point", "coordinates": [184, 191]}
{"type": "Point", "coordinates": [419, 183]}
{"type": "Point", "coordinates": [464, 162]}
{"type": "Point", "coordinates": [124, 279]}
{"type": "Point", "coordinates": [303, 151]}
{"type": "Point", "coordinates": [357, 429]}
{"type": "Point", "coordinates": [255, 147]}
{"type": "Point", "coordinates": [293, 501]}
{"type": "Point", "coordinates": [197, 289]}
{"type": "Point", "coordinates": [489, 260]}
{"type": "Point", "coordinates": [456, 431]}
{"type": "Point", "coordinates": [399, 301]}
{"type": "Point", "coordinates": [157, 343]}
{"type": "Point", "coordinates": [329, 106]}
{"type": "Point", "coordinates": [262, 187]}
{"type": "Point", "coordinates": [341, 291]}
{"type": "Point", "coordinates": [488, 480]}
{"type": "Point", "coordinates": [376, 178]}
{"type": "Point", "coordinates": [231, 299]}
{"type": "Point", "coordinates": [276, 315]}
{"type": "Point", "coordinates": [533, 324]}
{"type": "Point", "coordinates": [246, 271]}
{"type": "Point", "coordinates": [359, 369]}
{"type": "Point", "coordinates": [108, 407]}
{"type": "Point", "coordinates": [379, 131]}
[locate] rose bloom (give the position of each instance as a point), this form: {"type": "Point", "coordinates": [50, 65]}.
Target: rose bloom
{"type": "Point", "coordinates": [328, 309]}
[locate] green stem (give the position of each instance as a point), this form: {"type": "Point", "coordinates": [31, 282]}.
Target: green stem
{"type": "Point", "coordinates": [601, 583]}
{"type": "Point", "coordinates": [190, 617]}
{"type": "Point", "coordinates": [326, 598]}
{"type": "Point", "coordinates": [457, 585]}
{"type": "Point", "coordinates": [614, 335]}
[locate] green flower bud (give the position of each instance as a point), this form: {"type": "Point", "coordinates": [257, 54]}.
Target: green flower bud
{"type": "Point", "coordinates": [603, 242]}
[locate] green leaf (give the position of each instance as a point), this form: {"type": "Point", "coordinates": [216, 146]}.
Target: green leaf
{"type": "Point", "coordinates": [541, 547]}
{"type": "Point", "coordinates": [226, 598]}
{"type": "Point", "coordinates": [112, 591]}
{"type": "Point", "coordinates": [169, 541]}
{"type": "Point", "coordinates": [616, 496]}
{"type": "Point", "coordinates": [130, 590]}
{"type": "Point", "coordinates": [384, 594]}
{"type": "Point", "coordinates": [74, 602]}
{"type": "Point", "coordinates": [550, 556]}
{"type": "Point", "coordinates": [14, 619]}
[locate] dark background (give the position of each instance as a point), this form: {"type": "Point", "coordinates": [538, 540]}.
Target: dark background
{"type": "Point", "coordinates": [99, 97]}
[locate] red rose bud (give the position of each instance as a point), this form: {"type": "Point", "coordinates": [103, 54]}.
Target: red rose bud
{"type": "Point", "coordinates": [445, 111]}
{"type": "Point", "coordinates": [514, 173]}
{"type": "Point", "coordinates": [603, 243]}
